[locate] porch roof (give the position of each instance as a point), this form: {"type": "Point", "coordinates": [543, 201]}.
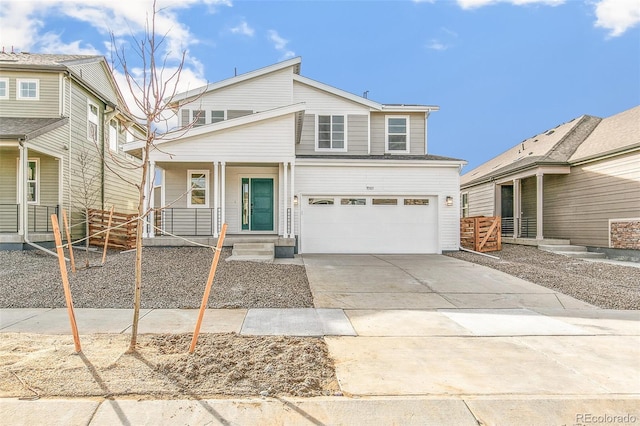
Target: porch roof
{"type": "Point", "coordinates": [28, 128]}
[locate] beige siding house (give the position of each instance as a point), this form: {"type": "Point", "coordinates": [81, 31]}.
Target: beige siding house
{"type": "Point", "coordinates": [579, 181]}
{"type": "Point", "coordinates": [283, 158]}
{"type": "Point", "coordinates": [62, 127]}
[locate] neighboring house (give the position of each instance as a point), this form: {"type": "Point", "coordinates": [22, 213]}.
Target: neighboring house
{"type": "Point", "coordinates": [277, 155]}
{"type": "Point", "coordinates": [60, 116]}
{"type": "Point", "coordinates": [579, 181]}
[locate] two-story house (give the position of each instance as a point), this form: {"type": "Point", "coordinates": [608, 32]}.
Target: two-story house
{"type": "Point", "coordinates": [62, 127]}
{"type": "Point", "coordinates": [275, 154]}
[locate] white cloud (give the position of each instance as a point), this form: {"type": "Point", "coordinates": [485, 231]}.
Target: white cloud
{"type": "Point", "coordinates": [473, 4]}
{"type": "Point", "coordinates": [435, 44]}
{"type": "Point", "coordinates": [617, 15]}
{"type": "Point", "coordinates": [244, 29]}
{"type": "Point", "coordinates": [280, 44]}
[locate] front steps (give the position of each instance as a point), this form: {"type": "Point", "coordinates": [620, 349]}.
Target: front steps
{"type": "Point", "coordinates": [254, 252]}
{"type": "Point", "coordinates": [578, 252]}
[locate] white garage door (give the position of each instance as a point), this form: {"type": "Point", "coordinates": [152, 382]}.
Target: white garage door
{"type": "Point", "coordinates": [369, 224]}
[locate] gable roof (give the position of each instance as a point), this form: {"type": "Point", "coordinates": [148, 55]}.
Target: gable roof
{"type": "Point", "coordinates": [294, 62]}
{"type": "Point", "coordinates": [27, 60]}
{"type": "Point", "coordinates": [614, 134]}
{"type": "Point", "coordinates": [581, 138]}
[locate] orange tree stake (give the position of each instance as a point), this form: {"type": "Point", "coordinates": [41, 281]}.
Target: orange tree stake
{"type": "Point", "coordinates": [207, 290]}
{"type": "Point", "coordinates": [66, 228]}
{"type": "Point", "coordinates": [106, 238]}
{"type": "Point", "coordinates": [65, 282]}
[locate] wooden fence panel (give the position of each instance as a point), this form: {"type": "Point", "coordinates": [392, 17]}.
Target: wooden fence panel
{"type": "Point", "coordinates": [122, 235]}
{"type": "Point", "coordinates": [481, 233]}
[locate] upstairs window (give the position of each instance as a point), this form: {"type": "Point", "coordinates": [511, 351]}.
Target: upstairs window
{"type": "Point", "coordinates": [397, 134]}
{"type": "Point", "coordinates": [113, 135]}
{"type": "Point", "coordinates": [4, 88]}
{"type": "Point", "coordinates": [92, 122]}
{"type": "Point", "coordinates": [199, 117]}
{"type": "Point", "coordinates": [28, 89]}
{"type": "Point", "coordinates": [217, 116]}
{"type": "Point", "coordinates": [331, 132]}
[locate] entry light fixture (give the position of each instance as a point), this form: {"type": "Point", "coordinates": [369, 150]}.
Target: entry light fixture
{"type": "Point", "coordinates": [295, 200]}
{"type": "Point", "coordinates": [449, 201]}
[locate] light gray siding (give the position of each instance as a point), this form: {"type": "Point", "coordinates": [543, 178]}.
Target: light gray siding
{"type": "Point", "coordinates": [578, 206]}
{"type": "Point", "coordinates": [416, 135]}
{"type": "Point", "coordinates": [481, 200]}
{"type": "Point", "coordinates": [94, 73]}
{"type": "Point", "coordinates": [46, 106]}
{"type": "Point", "coordinates": [236, 113]}
{"type": "Point", "coordinates": [528, 203]}
{"type": "Point", "coordinates": [307, 143]}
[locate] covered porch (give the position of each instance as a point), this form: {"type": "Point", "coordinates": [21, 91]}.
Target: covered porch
{"type": "Point", "coordinates": [191, 200]}
{"type": "Point", "coordinates": [520, 202]}
{"type": "Point", "coordinates": [31, 192]}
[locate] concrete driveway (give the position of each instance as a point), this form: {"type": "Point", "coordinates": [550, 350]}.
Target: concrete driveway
{"type": "Point", "coordinates": [438, 326]}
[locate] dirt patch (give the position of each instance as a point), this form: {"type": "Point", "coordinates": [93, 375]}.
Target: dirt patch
{"type": "Point", "coordinates": [222, 365]}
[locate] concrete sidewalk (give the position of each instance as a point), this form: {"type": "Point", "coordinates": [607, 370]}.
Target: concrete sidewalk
{"type": "Point", "coordinates": [415, 340]}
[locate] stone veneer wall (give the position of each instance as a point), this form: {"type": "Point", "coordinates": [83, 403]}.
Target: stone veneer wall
{"type": "Point", "coordinates": [625, 234]}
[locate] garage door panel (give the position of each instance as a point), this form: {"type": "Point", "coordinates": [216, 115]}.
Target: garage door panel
{"type": "Point", "coordinates": [369, 228]}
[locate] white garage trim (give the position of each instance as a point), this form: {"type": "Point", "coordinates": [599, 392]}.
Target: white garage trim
{"type": "Point", "coordinates": [369, 223]}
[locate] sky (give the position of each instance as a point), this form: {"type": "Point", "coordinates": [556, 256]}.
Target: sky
{"type": "Point", "coordinates": [501, 71]}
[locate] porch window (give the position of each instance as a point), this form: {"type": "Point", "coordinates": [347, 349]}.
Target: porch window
{"type": "Point", "coordinates": [28, 89]}
{"type": "Point", "coordinates": [92, 122]}
{"type": "Point", "coordinates": [464, 204]}
{"type": "Point", "coordinates": [331, 132]}
{"type": "Point", "coordinates": [33, 187]}
{"type": "Point", "coordinates": [198, 190]}
{"type": "Point", "coordinates": [4, 88]}
{"type": "Point", "coordinates": [397, 134]}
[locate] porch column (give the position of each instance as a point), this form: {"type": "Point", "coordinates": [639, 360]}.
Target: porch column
{"type": "Point", "coordinates": [516, 208]}
{"type": "Point", "coordinates": [216, 196]}
{"type": "Point", "coordinates": [287, 214]}
{"type": "Point", "coordinates": [23, 215]}
{"type": "Point", "coordinates": [152, 199]}
{"type": "Point", "coordinates": [223, 201]}
{"type": "Point", "coordinates": [539, 205]}
{"type": "Point", "coordinates": [292, 197]}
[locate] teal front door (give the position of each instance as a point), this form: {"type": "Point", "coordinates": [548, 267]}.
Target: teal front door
{"type": "Point", "coordinates": [260, 204]}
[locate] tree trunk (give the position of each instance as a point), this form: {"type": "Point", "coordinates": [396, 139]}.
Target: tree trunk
{"type": "Point", "coordinates": [138, 270]}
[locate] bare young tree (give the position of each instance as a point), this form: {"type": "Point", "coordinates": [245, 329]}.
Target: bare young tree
{"type": "Point", "coordinates": [153, 89]}
{"type": "Point", "coordinates": [86, 195]}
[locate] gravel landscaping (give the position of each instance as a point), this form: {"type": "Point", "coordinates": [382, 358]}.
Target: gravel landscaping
{"type": "Point", "coordinates": [172, 278]}
{"type": "Point", "coordinates": [604, 285]}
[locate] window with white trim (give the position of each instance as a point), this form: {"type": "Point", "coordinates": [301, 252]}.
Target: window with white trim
{"type": "Point", "coordinates": [113, 135]}
{"type": "Point", "coordinates": [33, 180]}
{"type": "Point", "coordinates": [217, 116]}
{"type": "Point", "coordinates": [92, 122]}
{"type": "Point", "coordinates": [199, 117]}
{"type": "Point", "coordinates": [28, 89]}
{"type": "Point", "coordinates": [198, 182]}
{"type": "Point", "coordinates": [4, 88]}
{"type": "Point", "coordinates": [331, 133]}
{"type": "Point", "coordinates": [397, 133]}
{"type": "Point", "coordinates": [464, 204]}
